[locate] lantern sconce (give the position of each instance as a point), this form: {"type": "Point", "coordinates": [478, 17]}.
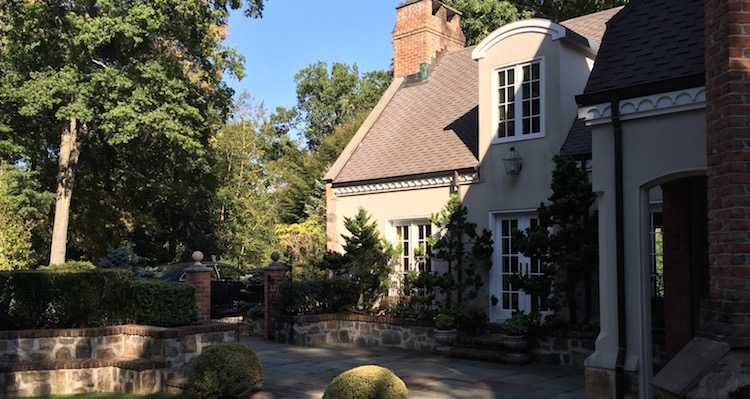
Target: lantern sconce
{"type": "Point", "coordinates": [513, 162]}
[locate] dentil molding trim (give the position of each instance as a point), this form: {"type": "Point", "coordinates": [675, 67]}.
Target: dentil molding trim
{"type": "Point", "coordinates": [403, 185]}
{"type": "Point", "coordinates": [646, 106]}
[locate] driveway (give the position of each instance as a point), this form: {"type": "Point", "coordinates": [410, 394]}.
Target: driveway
{"type": "Point", "coordinates": [294, 372]}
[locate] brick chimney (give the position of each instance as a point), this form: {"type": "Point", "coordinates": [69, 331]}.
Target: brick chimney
{"type": "Point", "coordinates": [423, 28]}
{"type": "Point", "coordinates": [726, 315]}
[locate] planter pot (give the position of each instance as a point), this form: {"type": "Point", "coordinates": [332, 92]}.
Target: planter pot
{"type": "Point", "coordinates": [446, 337]}
{"type": "Point", "coordinates": [515, 343]}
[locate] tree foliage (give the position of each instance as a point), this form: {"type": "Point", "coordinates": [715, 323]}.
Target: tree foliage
{"type": "Point", "coordinates": [368, 258]}
{"type": "Point", "coordinates": [23, 217]}
{"type": "Point", "coordinates": [480, 17]}
{"type": "Point", "coordinates": [331, 105]}
{"type": "Point", "coordinates": [565, 239]}
{"type": "Point", "coordinates": [246, 208]}
{"type": "Point", "coordinates": [462, 249]}
{"type": "Point", "coordinates": [560, 10]}
{"type": "Point", "coordinates": [122, 98]}
{"type": "Point", "coordinates": [326, 99]}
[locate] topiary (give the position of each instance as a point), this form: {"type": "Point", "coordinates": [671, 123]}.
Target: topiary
{"type": "Point", "coordinates": [229, 370]}
{"type": "Point", "coordinates": [367, 382]}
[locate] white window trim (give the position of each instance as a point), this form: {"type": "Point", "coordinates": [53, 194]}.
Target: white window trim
{"type": "Point", "coordinates": [519, 112]}
{"type": "Point", "coordinates": [392, 237]}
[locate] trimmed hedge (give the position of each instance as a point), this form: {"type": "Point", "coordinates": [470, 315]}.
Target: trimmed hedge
{"type": "Point", "coordinates": [321, 296]}
{"type": "Point", "coordinates": [165, 304]}
{"type": "Point", "coordinates": [89, 298]}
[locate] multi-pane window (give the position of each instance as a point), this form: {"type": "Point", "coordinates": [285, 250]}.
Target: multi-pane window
{"type": "Point", "coordinates": [412, 238]}
{"type": "Point", "coordinates": [519, 101]}
{"type": "Point", "coordinates": [657, 255]}
{"type": "Point", "coordinates": [512, 263]}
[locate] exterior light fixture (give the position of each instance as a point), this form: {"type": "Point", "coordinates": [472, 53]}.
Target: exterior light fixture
{"type": "Point", "coordinates": [513, 162]}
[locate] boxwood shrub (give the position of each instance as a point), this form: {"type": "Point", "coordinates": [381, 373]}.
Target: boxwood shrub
{"type": "Point", "coordinates": [88, 298]}
{"type": "Point", "coordinates": [225, 371]}
{"type": "Point", "coordinates": [367, 382]}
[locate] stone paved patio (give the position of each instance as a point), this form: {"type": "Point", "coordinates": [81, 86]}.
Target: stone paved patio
{"type": "Point", "coordinates": [295, 372]}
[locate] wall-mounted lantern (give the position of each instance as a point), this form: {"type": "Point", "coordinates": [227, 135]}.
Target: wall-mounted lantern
{"type": "Point", "coordinates": [513, 162]}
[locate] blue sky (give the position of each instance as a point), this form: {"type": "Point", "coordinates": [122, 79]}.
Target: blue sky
{"type": "Point", "coordinates": [296, 33]}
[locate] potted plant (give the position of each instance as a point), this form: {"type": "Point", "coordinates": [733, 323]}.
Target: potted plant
{"type": "Point", "coordinates": [516, 328]}
{"type": "Point", "coordinates": [445, 329]}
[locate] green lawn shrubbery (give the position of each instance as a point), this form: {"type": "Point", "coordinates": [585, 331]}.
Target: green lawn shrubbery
{"type": "Point", "coordinates": [321, 296]}
{"type": "Point", "coordinates": [90, 298]}
{"type": "Point", "coordinates": [225, 371]}
{"type": "Point", "coordinates": [367, 382]}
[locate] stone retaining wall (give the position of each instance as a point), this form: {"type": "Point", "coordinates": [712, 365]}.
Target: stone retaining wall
{"type": "Point", "coordinates": [563, 347]}
{"type": "Point", "coordinates": [129, 358]}
{"type": "Point", "coordinates": [359, 329]}
{"type": "Point", "coordinates": [550, 347]}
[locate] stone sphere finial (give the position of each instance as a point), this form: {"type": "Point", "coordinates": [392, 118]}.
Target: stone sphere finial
{"type": "Point", "coordinates": [197, 257]}
{"type": "Point", "coordinates": [275, 256]}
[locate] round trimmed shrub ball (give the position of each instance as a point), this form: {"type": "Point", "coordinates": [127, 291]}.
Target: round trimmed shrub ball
{"type": "Point", "coordinates": [367, 382]}
{"type": "Point", "coordinates": [229, 370]}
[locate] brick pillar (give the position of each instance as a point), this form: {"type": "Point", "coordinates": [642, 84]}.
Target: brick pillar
{"type": "Point", "coordinates": [275, 276]}
{"type": "Point", "coordinates": [726, 315]}
{"type": "Point", "coordinates": [200, 276]}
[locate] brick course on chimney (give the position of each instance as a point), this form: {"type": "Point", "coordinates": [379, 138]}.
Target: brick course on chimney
{"type": "Point", "coordinates": [726, 315]}
{"type": "Point", "coordinates": [423, 28]}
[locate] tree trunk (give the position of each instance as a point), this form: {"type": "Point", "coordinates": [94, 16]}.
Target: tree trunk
{"type": "Point", "coordinates": [69, 149]}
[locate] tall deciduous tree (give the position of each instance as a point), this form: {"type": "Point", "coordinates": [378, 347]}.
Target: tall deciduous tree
{"type": "Point", "coordinates": [331, 105]}
{"type": "Point", "coordinates": [247, 207]}
{"type": "Point", "coordinates": [126, 75]}
{"type": "Point", "coordinates": [329, 99]}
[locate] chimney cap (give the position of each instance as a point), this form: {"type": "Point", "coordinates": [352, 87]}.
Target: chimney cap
{"type": "Point", "coordinates": [451, 12]}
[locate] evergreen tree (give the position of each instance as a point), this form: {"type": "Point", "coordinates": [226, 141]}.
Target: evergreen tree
{"type": "Point", "coordinates": [565, 239]}
{"type": "Point", "coordinates": [368, 259]}
{"type": "Point", "coordinates": [462, 249]}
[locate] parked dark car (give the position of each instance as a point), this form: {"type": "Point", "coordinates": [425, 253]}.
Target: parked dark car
{"type": "Point", "coordinates": [231, 292]}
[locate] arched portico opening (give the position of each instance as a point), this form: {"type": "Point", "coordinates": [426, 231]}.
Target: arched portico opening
{"type": "Point", "coordinates": [677, 262]}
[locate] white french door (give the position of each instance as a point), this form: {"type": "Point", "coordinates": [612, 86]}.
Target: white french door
{"type": "Point", "coordinates": [508, 261]}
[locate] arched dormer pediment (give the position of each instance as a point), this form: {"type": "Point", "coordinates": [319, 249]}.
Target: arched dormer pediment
{"type": "Point", "coordinates": [532, 25]}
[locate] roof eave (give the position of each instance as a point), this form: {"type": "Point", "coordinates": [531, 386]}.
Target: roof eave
{"type": "Point", "coordinates": [645, 89]}
{"type": "Point", "coordinates": [426, 175]}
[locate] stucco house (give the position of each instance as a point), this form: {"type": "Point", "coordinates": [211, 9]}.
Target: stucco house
{"type": "Point", "coordinates": [666, 103]}
{"type": "Point", "coordinates": [448, 120]}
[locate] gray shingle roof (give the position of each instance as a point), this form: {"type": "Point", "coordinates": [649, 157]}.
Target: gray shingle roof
{"type": "Point", "coordinates": [591, 26]}
{"type": "Point", "coordinates": [649, 42]}
{"type": "Point", "coordinates": [427, 127]}
{"type": "Point", "coordinates": [431, 127]}
{"type": "Point", "coordinates": [578, 142]}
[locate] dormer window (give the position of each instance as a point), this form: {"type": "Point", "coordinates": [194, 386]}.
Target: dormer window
{"type": "Point", "coordinates": [519, 102]}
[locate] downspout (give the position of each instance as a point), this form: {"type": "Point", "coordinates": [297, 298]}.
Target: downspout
{"type": "Point", "coordinates": [620, 237]}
